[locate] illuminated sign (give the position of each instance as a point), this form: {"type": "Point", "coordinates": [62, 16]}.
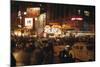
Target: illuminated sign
{"type": "Point", "coordinates": [53, 30]}
{"type": "Point", "coordinates": [29, 23]}
{"type": "Point", "coordinates": [33, 12]}
{"type": "Point", "coordinates": [77, 18]}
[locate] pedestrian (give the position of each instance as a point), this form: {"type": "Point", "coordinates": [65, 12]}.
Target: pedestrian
{"type": "Point", "coordinates": [65, 57]}
{"type": "Point", "coordinates": [13, 61]}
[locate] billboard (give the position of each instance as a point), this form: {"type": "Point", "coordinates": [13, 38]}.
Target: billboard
{"type": "Point", "coordinates": [33, 12]}
{"type": "Point", "coordinates": [29, 23]}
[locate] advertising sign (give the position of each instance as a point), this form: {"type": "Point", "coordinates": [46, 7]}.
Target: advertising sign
{"type": "Point", "coordinates": [29, 23]}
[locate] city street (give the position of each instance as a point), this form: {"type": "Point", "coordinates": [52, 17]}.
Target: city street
{"type": "Point", "coordinates": [51, 33]}
{"type": "Point", "coordinates": [27, 58]}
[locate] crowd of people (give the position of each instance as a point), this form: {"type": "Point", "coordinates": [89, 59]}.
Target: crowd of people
{"type": "Point", "coordinates": [42, 49]}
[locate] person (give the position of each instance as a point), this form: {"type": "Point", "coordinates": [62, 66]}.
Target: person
{"type": "Point", "coordinates": [13, 45]}
{"type": "Point", "coordinates": [37, 56]}
{"type": "Point", "coordinates": [65, 57]}
{"type": "Point", "coordinates": [48, 51]}
{"type": "Point", "coordinates": [13, 61]}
